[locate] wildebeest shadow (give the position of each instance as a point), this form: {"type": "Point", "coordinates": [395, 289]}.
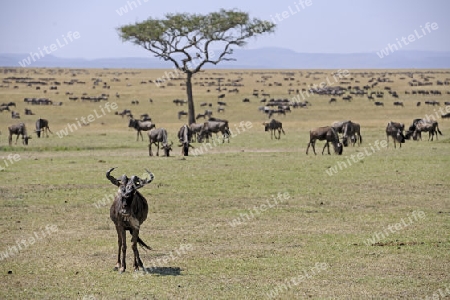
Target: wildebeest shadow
{"type": "Point", "coordinates": [174, 271]}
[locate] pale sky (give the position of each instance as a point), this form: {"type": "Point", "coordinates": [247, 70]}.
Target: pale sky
{"type": "Point", "coordinates": [323, 26]}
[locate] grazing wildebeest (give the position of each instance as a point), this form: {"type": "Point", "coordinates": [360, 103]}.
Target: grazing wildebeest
{"type": "Point", "coordinates": [215, 127]}
{"type": "Point", "coordinates": [185, 137]}
{"type": "Point", "coordinates": [327, 133]}
{"type": "Point", "coordinates": [140, 126]}
{"type": "Point", "coordinates": [273, 125]}
{"type": "Point", "coordinates": [353, 131]}
{"type": "Point", "coordinates": [446, 116]}
{"type": "Point", "coordinates": [42, 125]}
{"type": "Point", "coordinates": [15, 115]}
{"type": "Point", "coordinates": [182, 113]}
{"type": "Point", "coordinates": [398, 103]}
{"type": "Point", "coordinates": [378, 103]}
{"type": "Point", "coordinates": [422, 125]}
{"type": "Point", "coordinates": [18, 129]}
{"type": "Point", "coordinates": [196, 128]}
{"type": "Point", "coordinates": [3, 108]}
{"type": "Point", "coordinates": [125, 112]}
{"type": "Point", "coordinates": [395, 130]}
{"type": "Point", "coordinates": [128, 211]}
{"type": "Point", "coordinates": [156, 136]}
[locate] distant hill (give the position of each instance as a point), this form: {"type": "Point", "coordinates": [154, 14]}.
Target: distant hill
{"type": "Point", "coordinates": [263, 58]}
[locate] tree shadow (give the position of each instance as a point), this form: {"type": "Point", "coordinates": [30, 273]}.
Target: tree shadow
{"type": "Point", "coordinates": [174, 271]}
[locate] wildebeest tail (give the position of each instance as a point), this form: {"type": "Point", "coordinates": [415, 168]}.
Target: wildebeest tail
{"type": "Point", "coordinates": [144, 245]}
{"type": "Point", "coordinates": [360, 139]}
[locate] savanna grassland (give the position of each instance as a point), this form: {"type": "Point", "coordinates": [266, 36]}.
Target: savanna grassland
{"type": "Point", "coordinates": [255, 218]}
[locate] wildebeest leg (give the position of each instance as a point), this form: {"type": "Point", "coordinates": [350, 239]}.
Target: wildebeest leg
{"type": "Point", "coordinates": [137, 260]}
{"type": "Point", "coordinates": [122, 247]}
{"type": "Point", "coordinates": [311, 143]}
{"type": "Point", "coordinates": [150, 153]}
{"type": "Point", "coordinates": [157, 149]}
{"type": "Point", "coordinates": [328, 146]}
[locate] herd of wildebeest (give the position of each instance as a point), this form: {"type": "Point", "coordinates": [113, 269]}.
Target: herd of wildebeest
{"type": "Point", "coordinates": [129, 209]}
{"type": "Point", "coordinates": [339, 134]}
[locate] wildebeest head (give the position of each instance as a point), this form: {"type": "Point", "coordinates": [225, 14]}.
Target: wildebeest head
{"type": "Point", "coordinates": [26, 138]}
{"type": "Point", "coordinates": [127, 190]}
{"type": "Point", "coordinates": [338, 148]}
{"type": "Point", "coordinates": [167, 148]}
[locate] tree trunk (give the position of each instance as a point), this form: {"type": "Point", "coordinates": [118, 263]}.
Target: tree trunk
{"type": "Point", "coordinates": [191, 112]}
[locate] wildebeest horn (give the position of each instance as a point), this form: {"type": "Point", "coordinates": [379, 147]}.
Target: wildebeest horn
{"type": "Point", "coordinates": [148, 180]}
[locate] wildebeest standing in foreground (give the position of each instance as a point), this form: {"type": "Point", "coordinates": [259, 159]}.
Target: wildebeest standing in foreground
{"type": "Point", "coordinates": [140, 126]}
{"type": "Point", "coordinates": [395, 130]}
{"type": "Point", "coordinates": [327, 133]}
{"type": "Point", "coordinates": [42, 125]}
{"type": "Point", "coordinates": [156, 136]}
{"type": "Point", "coordinates": [128, 211]}
{"type": "Point", "coordinates": [18, 129]}
{"type": "Point", "coordinates": [273, 125]}
{"type": "Point", "coordinates": [185, 137]}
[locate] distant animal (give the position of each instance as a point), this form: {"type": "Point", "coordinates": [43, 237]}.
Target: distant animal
{"type": "Point", "coordinates": [156, 136]}
{"type": "Point", "coordinates": [398, 103]}
{"type": "Point", "coordinates": [140, 126]}
{"type": "Point", "coordinates": [42, 125]}
{"type": "Point", "coordinates": [28, 112]}
{"type": "Point", "coordinates": [185, 137]}
{"type": "Point", "coordinates": [15, 115]}
{"type": "Point", "coordinates": [18, 129]}
{"type": "Point", "coordinates": [273, 126]}
{"type": "Point", "coordinates": [128, 211]}
{"type": "Point", "coordinates": [125, 112]}
{"type": "Point", "coordinates": [3, 108]}
{"type": "Point", "coordinates": [378, 103]}
{"type": "Point", "coordinates": [182, 113]}
{"type": "Point", "coordinates": [395, 130]}
{"type": "Point", "coordinates": [327, 133]}
{"type": "Point", "coordinates": [446, 116]}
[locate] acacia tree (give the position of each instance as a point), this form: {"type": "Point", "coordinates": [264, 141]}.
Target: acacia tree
{"type": "Point", "coordinates": [188, 40]}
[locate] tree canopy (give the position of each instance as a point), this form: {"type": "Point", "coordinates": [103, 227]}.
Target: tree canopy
{"type": "Point", "coordinates": [190, 41]}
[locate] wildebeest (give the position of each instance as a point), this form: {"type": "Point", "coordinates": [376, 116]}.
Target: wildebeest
{"type": "Point", "coordinates": [395, 130]}
{"type": "Point", "coordinates": [273, 125]}
{"type": "Point", "coordinates": [140, 126]}
{"type": "Point", "coordinates": [156, 136]}
{"type": "Point", "coordinates": [196, 128]}
{"type": "Point", "coordinates": [18, 129]}
{"type": "Point", "coordinates": [125, 112]}
{"type": "Point", "coordinates": [398, 103]}
{"type": "Point", "coordinates": [185, 137]}
{"type": "Point", "coordinates": [128, 211]}
{"type": "Point", "coordinates": [421, 125]}
{"type": "Point", "coordinates": [42, 125]}
{"type": "Point", "coordinates": [378, 103]}
{"type": "Point", "coordinates": [353, 131]}
{"type": "Point", "coordinates": [327, 133]}
{"type": "Point", "coordinates": [339, 125]}
{"type": "Point", "coordinates": [15, 115]}
{"type": "Point", "coordinates": [446, 116]}
{"type": "Point", "coordinates": [215, 127]}
{"type": "Point", "coordinates": [182, 113]}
